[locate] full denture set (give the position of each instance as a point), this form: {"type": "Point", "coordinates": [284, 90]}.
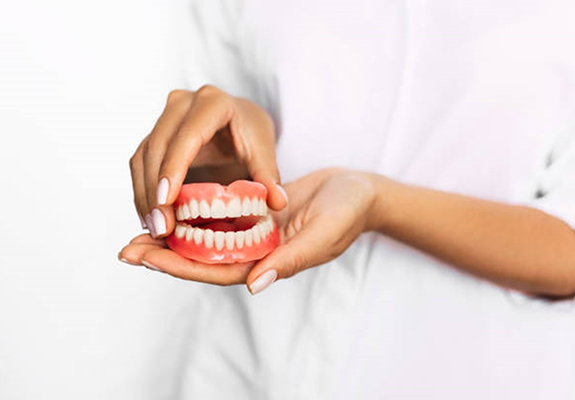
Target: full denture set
{"type": "Point", "coordinates": [223, 224]}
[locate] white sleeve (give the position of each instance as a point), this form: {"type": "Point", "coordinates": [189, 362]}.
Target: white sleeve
{"type": "Point", "coordinates": [555, 190]}
{"type": "Point", "coordinates": [216, 47]}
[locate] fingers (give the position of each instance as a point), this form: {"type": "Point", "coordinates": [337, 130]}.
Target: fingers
{"type": "Point", "coordinates": [138, 183]}
{"type": "Point", "coordinates": [154, 254]}
{"type": "Point", "coordinates": [146, 238]}
{"type": "Point", "coordinates": [263, 169]}
{"type": "Point", "coordinates": [211, 110]}
{"type": "Point", "coordinates": [309, 247]}
{"type": "Point", "coordinates": [155, 147]}
{"type": "Point", "coordinates": [172, 263]}
{"type": "Point", "coordinates": [260, 155]}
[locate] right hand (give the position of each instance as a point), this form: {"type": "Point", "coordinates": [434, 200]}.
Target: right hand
{"type": "Point", "coordinates": [207, 127]}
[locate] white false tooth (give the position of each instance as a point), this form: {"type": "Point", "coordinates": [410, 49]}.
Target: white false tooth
{"type": "Point", "coordinates": [205, 210]}
{"type": "Point", "coordinates": [256, 234]}
{"type": "Point", "coordinates": [219, 239]}
{"type": "Point", "coordinates": [246, 207]}
{"type": "Point", "coordinates": [263, 207]}
{"type": "Point", "coordinates": [255, 206]}
{"type": "Point", "coordinates": [194, 209]}
{"type": "Point", "coordinates": [234, 209]}
{"type": "Point", "coordinates": [180, 231]}
{"type": "Point", "coordinates": [240, 236]}
{"type": "Point", "coordinates": [230, 240]}
{"type": "Point", "coordinates": [209, 238]}
{"type": "Point", "coordinates": [218, 209]}
{"type": "Point", "coordinates": [249, 237]}
{"type": "Point", "coordinates": [185, 212]}
{"type": "Point", "coordinates": [264, 228]}
{"type": "Point", "coordinates": [263, 231]}
{"type": "Point", "coordinates": [198, 236]}
{"type": "Point", "coordinates": [189, 233]}
{"type": "Point", "coordinates": [179, 216]}
{"type": "Point", "coordinates": [270, 223]}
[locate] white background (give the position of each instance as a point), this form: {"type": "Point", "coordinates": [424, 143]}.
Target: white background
{"type": "Point", "coordinates": [80, 84]}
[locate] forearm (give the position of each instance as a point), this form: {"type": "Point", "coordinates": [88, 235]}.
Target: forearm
{"type": "Point", "coordinates": [514, 246]}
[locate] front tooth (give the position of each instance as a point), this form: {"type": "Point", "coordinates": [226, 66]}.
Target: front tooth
{"type": "Point", "coordinates": [240, 239]}
{"type": "Point", "coordinates": [264, 229]}
{"type": "Point", "coordinates": [185, 212]}
{"type": "Point", "coordinates": [205, 211]}
{"type": "Point", "coordinates": [194, 209]}
{"type": "Point", "coordinates": [179, 216]}
{"type": "Point", "coordinates": [180, 231]}
{"type": "Point", "coordinates": [189, 233]}
{"type": "Point", "coordinates": [255, 206]}
{"type": "Point", "coordinates": [198, 236]}
{"type": "Point", "coordinates": [246, 207]}
{"type": "Point", "coordinates": [234, 209]}
{"type": "Point", "coordinates": [230, 240]}
{"type": "Point", "coordinates": [209, 238]}
{"type": "Point", "coordinates": [256, 233]}
{"type": "Point", "coordinates": [249, 237]}
{"type": "Point", "coordinates": [219, 239]}
{"type": "Point", "coordinates": [218, 209]}
{"type": "Point", "coordinates": [263, 207]}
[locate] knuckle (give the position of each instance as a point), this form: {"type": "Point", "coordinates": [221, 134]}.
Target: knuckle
{"type": "Point", "coordinates": [133, 162]}
{"type": "Point", "coordinates": [208, 90]}
{"type": "Point", "coordinates": [177, 95]}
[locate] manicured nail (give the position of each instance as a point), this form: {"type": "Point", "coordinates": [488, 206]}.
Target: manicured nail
{"type": "Point", "coordinates": [159, 222]}
{"type": "Point", "coordinates": [144, 226]}
{"type": "Point", "coordinates": [150, 266]}
{"type": "Point", "coordinates": [283, 192]}
{"type": "Point", "coordinates": [162, 192]}
{"type": "Point", "coordinates": [124, 260]}
{"type": "Point", "coordinates": [150, 224]}
{"type": "Point", "coordinates": [263, 281]}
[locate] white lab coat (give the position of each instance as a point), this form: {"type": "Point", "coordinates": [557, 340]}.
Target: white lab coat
{"type": "Point", "coordinates": [471, 97]}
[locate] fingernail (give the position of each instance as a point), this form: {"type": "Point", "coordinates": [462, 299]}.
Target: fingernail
{"type": "Point", "coordinates": [263, 281]}
{"type": "Point", "coordinates": [283, 192]}
{"type": "Point", "coordinates": [150, 266]}
{"type": "Point", "coordinates": [124, 260]}
{"type": "Point", "coordinates": [150, 224]}
{"type": "Point", "coordinates": [162, 192]}
{"type": "Point", "coordinates": [144, 226]}
{"type": "Point", "coordinates": [159, 222]}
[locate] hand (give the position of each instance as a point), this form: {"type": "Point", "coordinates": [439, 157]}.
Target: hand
{"type": "Point", "coordinates": [203, 128]}
{"type": "Point", "coordinates": [328, 210]}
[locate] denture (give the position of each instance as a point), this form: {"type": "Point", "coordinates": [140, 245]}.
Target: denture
{"type": "Point", "coordinates": [219, 224]}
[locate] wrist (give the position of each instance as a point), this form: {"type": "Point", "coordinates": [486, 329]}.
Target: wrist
{"type": "Point", "coordinates": [383, 208]}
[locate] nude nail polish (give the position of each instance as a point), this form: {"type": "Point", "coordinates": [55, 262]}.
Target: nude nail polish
{"type": "Point", "coordinates": [144, 226]}
{"type": "Point", "coordinates": [263, 281]}
{"type": "Point", "coordinates": [150, 224]}
{"type": "Point", "coordinates": [283, 192]}
{"type": "Point", "coordinates": [150, 266]}
{"type": "Point", "coordinates": [159, 222]}
{"type": "Point", "coordinates": [162, 191]}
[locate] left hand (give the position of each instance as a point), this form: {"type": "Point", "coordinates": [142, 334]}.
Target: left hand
{"type": "Point", "coordinates": [327, 211]}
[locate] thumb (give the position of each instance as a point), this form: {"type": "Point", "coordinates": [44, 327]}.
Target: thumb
{"type": "Point", "coordinates": [263, 169]}
{"type": "Point", "coordinates": [304, 250]}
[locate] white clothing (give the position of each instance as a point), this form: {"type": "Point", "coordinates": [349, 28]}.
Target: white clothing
{"type": "Point", "coordinates": [470, 97]}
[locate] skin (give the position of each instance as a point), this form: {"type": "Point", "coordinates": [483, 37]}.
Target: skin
{"type": "Point", "coordinates": [513, 246]}
{"type": "Point", "coordinates": [207, 127]}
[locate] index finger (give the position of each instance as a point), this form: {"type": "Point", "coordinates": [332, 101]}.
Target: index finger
{"type": "Point", "coordinates": [212, 110]}
{"type": "Point", "coordinates": [219, 274]}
